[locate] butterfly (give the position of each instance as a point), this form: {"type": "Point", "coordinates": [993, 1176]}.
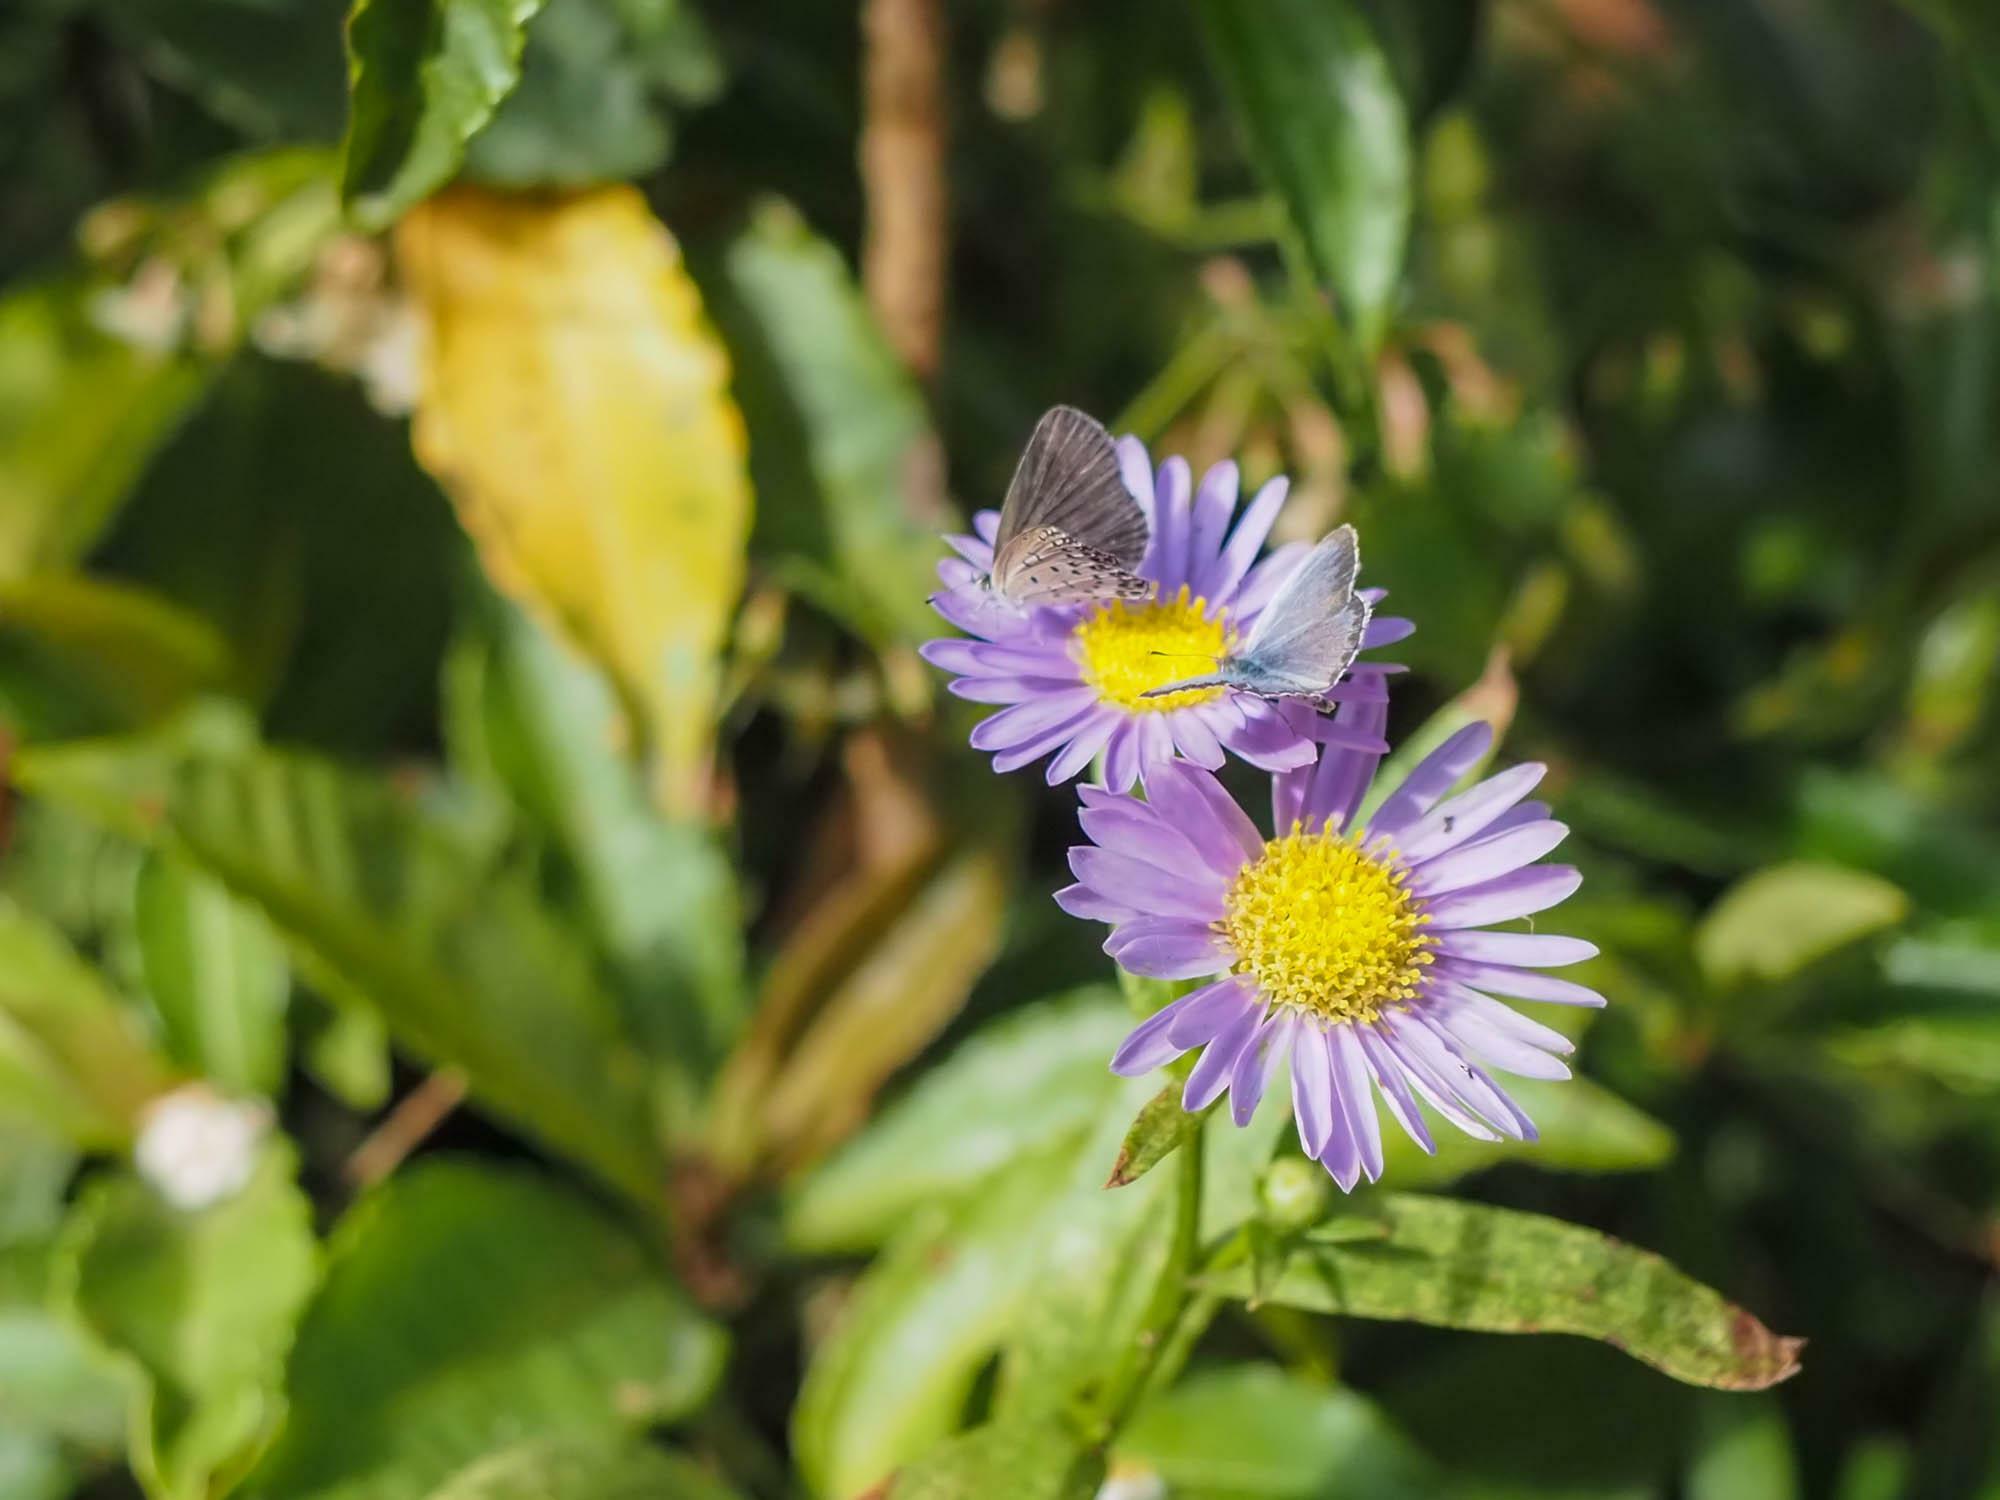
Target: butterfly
{"type": "Point", "coordinates": [1307, 636]}
{"type": "Point", "coordinates": [1069, 529]}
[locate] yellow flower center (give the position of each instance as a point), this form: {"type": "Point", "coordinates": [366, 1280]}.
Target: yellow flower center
{"type": "Point", "coordinates": [1127, 649]}
{"type": "Point", "coordinates": [1326, 928]}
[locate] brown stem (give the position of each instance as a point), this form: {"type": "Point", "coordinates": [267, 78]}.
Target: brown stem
{"type": "Point", "coordinates": [903, 175]}
{"type": "Point", "coordinates": [419, 1112]}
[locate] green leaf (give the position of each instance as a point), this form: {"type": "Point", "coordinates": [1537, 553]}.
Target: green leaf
{"type": "Point", "coordinates": [840, 434]}
{"type": "Point", "coordinates": [1743, 1449]}
{"type": "Point", "coordinates": [348, 1054]}
{"type": "Point", "coordinates": [217, 975]}
{"type": "Point", "coordinates": [424, 76]}
{"type": "Point", "coordinates": [203, 1304]}
{"type": "Point", "coordinates": [385, 902]}
{"type": "Point", "coordinates": [1960, 1051]}
{"type": "Point", "coordinates": [100, 655]}
{"type": "Point", "coordinates": [1252, 1430]}
{"type": "Point", "coordinates": [467, 1309]}
{"type": "Point", "coordinates": [1326, 127]}
{"type": "Point", "coordinates": [271, 70]}
{"type": "Point", "coordinates": [1463, 1265]}
{"type": "Point", "coordinates": [55, 1380]}
{"type": "Point", "coordinates": [1035, 1460]}
{"type": "Point", "coordinates": [580, 1469]}
{"type": "Point", "coordinates": [661, 896]}
{"type": "Point", "coordinates": [33, 1467]}
{"type": "Point", "coordinates": [81, 412]}
{"type": "Point", "coordinates": [1022, 1084]}
{"type": "Point", "coordinates": [598, 81]}
{"type": "Point", "coordinates": [1584, 1128]}
{"type": "Point", "coordinates": [1774, 923]}
{"type": "Point", "coordinates": [1161, 1128]}
{"type": "Point", "coordinates": [72, 1061]}
{"type": "Point", "coordinates": [35, 1169]}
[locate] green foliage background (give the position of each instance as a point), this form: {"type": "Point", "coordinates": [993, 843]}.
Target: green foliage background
{"type": "Point", "coordinates": [617, 1147]}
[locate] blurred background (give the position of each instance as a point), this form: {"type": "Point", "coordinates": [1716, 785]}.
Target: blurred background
{"type": "Point", "coordinates": [504, 948]}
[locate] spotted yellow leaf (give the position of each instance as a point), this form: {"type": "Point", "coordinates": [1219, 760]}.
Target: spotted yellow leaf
{"type": "Point", "coordinates": [575, 405]}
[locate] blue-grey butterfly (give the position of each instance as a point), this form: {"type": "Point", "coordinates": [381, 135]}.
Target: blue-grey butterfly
{"type": "Point", "coordinates": [1069, 529]}
{"type": "Point", "coordinates": [1307, 636]}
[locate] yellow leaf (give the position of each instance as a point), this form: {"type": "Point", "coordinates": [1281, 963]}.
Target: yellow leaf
{"type": "Point", "coordinates": [575, 406]}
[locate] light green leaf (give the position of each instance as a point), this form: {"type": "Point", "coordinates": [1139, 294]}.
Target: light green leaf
{"type": "Point", "coordinates": [35, 1169]}
{"type": "Point", "coordinates": [204, 1305]}
{"type": "Point", "coordinates": [1326, 127]}
{"type": "Point", "coordinates": [1959, 1050]}
{"type": "Point", "coordinates": [1774, 923]}
{"type": "Point", "coordinates": [424, 76]}
{"type": "Point", "coordinates": [348, 1054]}
{"type": "Point", "coordinates": [537, 720]}
{"type": "Point", "coordinates": [56, 1381]}
{"type": "Point", "coordinates": [591, 1468]}
{"type": "Point", "coordinates": [73, 1062]}
{"type": "Point", "coordinates": [217, 975]}
{"type": "Point", "coordinates": [467, 1309]}
{"type": "Point", "coordinates": [1036, 1460]}
{"type": "Point", "coordinates": [1161, 1128]}
{"type": "Point", "coordinates": [1023, 1084]}
{"type": "Point", "coordinates": [811, 361]}
{"type": "Point", "coordinates": [1464, 1265]}
{"type": "Point", "coordinates": [1252, 1430]}
{"type": "Point", "coordinates": [1743, 1449]}
{"type": "Point", "coordinates": [34, 1467]}
{"type": "Point", "coordinates": [385, 902]}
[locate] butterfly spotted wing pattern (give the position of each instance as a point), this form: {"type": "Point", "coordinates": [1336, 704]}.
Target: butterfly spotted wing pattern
{"type": "Point", "coordinates": [1069, 528]}
{"type": "Point", "coordinates": [1307, 636]}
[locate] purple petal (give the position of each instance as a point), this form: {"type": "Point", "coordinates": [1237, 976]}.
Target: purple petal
{"type": "Point", "coordinates": [1335, 786]}
{"type": "Point", "coordinates": [1388, 1075]}
{"type": "Point", "coordinates": [1008, 689]}
{"type": "Point", "coordinates": [1214, 500]}
{"type": "Point", "coordinates": [1357, 1098]}
{"type": "Point", "coordinates": [987, 524]}
{"type": "Point", "coordinates": [1209, 1011]}
{"type": "Point", "coordinates": [1156, 743]}
{"type": "Point", "coordinates": [1255, 1065]}
{"type": "Point", "coordinates": [1194, 739]}
{"type": "Point", "coordinates": [1157, 892]}
{"type": "Point", "coordinates": [982, 658]}
{"type": "Point", "coordinates": [1026, 722]}
{"type": "Point", "coordinates": [1514, 817]}
{"type": "Point", "coordinates": [1137, 471]}
{"type": "Point", "coordinates": [1474, 1035]}
{"type": "Point", "coordinates": [1081, 901]}
{"type": "Point", "coordinates": [1211, 1075]}
{"type": "Point", "coordinates": [973, 550]}
{"type": "Point", "coordinates": [1266, 740]}
{"type": "Point", "coordinates": [1032, 750]}
{"type": "Point", "coordinates": [1520, 894]}
{"type": "Point", "coordinates": [1466, 816]}
{"type": "Point", "coordinates": [1162, 948]}
{"type": "Point", "coordinates": [1522, 984]}
{"type": "Point", "coordinates": [1248, 538]}
{"type": "Point", "coordinates": [1432, 777]}
{"type": "Point", "coordinates": [1147, 1046]}
{"type": "Point", "coordinates": [1312, 1088]}
{"type": "Point", "coordinates": [1170, 525]}
{"type": "Point", "coordinates": [1386, 630]}
{"type": "Point", "coordinates": [1193, 802]}
{"type": "Point", "coordinates": [1121, 756]}
{"type": "Point", "coordinates": [1529, 950]}
{"type": "Point", "coordinates": [1414, 1048]}
{"type": "Point", "coordinates": [1469, 864]}
{"type": "Point", "coordinates": [1082, 748]}
{"type": "Point", "coordinates": [1458, 999]}
{"type": "Point", "coordinates": [1470, 1083]}
{"type": "Point", "coordinates": [1341, 1155]}
{"type": "Point", "coordinates": [1127, 826]}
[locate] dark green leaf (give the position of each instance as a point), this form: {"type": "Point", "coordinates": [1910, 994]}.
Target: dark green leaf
{"type": "Point", "coordinates": [204, 1304]}
{"type": "Point", "coordinates": [217, 975]}
{"type": "Point", "coordinates": [1463, 1265]}
{"type": "Point", "coordinates": [840, 436]}
{"type": "Point", "coordinates": [425, 76]}
{"type": "Point", "coordinates": [272, 70]}
{"type": "Point", "coordinates": [597, 82]}
{"type": "Point", "coordinates": [1326, 126]}
{"type": "Point", "coordinates": [580, 1469]}
{"type": "Point", "coordinates": [387, 903]}
{"type": "Point", "coordinates": [467, 1309]}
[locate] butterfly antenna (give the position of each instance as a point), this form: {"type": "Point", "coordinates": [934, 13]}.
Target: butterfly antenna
{"type": "Point", "coordinates": [1190, 656]}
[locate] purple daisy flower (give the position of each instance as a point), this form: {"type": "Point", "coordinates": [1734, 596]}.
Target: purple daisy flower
{"type": "Point", "coordinates": [1354, 953]}
{"type": "Point", "coordinates": [1074, 677]}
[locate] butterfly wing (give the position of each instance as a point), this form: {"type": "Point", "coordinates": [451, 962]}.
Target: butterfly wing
{"type": "Point", "coordinates": [1045, 565]}
{"type": "Point", "coordinates": [1069, 479]}
{"type": "Point", "coordinates": [1310, 632]}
